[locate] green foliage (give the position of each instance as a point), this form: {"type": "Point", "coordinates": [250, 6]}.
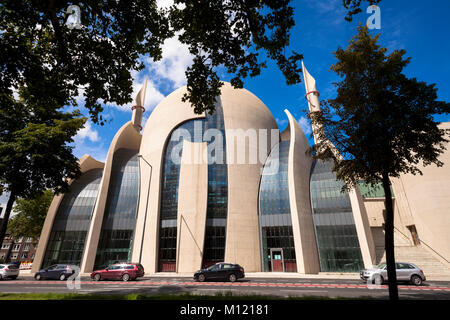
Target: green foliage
{"type": "Point", "coordinates": [34, 155]}
{"type": "Point", "coordinates": [30, 215]}
{"type": "Point", "coordinates": [354, 7]}
{"type": "Point", "coordinates": [51, 64]}
{"type": "Point", "coordinates": [381, 121]}
{"type": "Point", "coordinates": [232, 34]}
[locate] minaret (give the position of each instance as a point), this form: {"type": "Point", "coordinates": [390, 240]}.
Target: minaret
{"type": "Point", "coordinates": [312, 95]}
{"type": "Point", "coordinates": [138, 107]}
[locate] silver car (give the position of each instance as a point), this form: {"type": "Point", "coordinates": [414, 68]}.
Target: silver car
{"type": "Point", "coordinates": [9, 271]}
{"type": "Point", "coordinates": [405, 272]}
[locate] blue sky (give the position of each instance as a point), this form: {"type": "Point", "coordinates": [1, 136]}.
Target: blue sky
{"type": "Point", "coordinates": [419, 27]}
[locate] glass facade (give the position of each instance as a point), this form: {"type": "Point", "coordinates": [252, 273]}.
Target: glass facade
{"type": "Point", "coordinates": [119, 219]}
{"type": "Point", "coordinates": [216, 213]}
{"type": "Point", "coordinates": [336, 236]}
{"type": "Point", "coordinates": [69, 230]}
{"type": "Point", "coordinates": [275, 214]}
{"type": "Point", "coordinates": [214, 246]}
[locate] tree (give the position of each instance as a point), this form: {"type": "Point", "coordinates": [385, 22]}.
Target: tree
{"type": "Point", "coordinates": [97, 56]}
{"type": "Point", "coordinates": [30, 215]}
{"type": "Point", "coordinates": [35, 154]}
{"type": "Point", "coordinates": [381, 122]}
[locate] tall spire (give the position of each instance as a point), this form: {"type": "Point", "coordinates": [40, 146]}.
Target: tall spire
{"type": "Point", "coordinates": [312, 95]}
{"type": "Point", "coordinates": [138, 107]}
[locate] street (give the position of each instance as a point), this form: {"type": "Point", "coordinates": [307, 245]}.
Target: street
{"type": "Point", "coordinates": [345, 288]}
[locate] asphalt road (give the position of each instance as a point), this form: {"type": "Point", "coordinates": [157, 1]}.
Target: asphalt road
{"type": "Point", "coordinates": [435, 290]}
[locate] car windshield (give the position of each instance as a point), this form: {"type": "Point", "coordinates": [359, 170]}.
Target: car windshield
{"type": "Point", "coordinates": [381, 266]}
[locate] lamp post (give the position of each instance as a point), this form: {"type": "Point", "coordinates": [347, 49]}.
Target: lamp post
{"type": "Point", "coordinates": [146, 205]}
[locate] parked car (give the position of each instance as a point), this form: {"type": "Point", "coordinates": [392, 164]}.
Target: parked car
{"type": "Point", "coordinates": [119, 271]}
{"type": "Point", "coordinates": [8, 270]}
{"type": "Point", "coordinates": [405, 272]}
{"type": "Point", "coordinates": [220, 271]}
{"type": "Point", "coordinates": [56, 272]}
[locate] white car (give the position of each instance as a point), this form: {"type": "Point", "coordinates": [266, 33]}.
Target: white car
{"type": "Point", "coordinates": [405, 272]}
{"type": "Point", "coordinates": [9, 271]}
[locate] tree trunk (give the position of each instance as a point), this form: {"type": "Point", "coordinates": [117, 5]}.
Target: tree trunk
{"type": "Point", "coordinates": [12, 198]}
{"type": "Point", "coordinates": [389, 239]}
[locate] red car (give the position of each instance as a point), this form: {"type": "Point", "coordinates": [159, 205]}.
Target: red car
{"type": "Point", "coordinates": [119, 271]}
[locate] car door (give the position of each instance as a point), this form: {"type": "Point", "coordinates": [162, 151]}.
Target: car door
{"type": "Point", "coordinates": [120, 271]}
{"type": "Point", "coordinates": [213, 272]}
{"type": "Point", "coordinates": [51, 272]}
{"type": "Point", "coordinates": [109, 271]}
{"type": "Point", "coordinates": [225, 270]}
{"type": "Point", "coordinates": [403, 271]}
{"type": "Point", "coordinates": [114, 272]}
{"type": "Point", "coordinates": [222, 271]}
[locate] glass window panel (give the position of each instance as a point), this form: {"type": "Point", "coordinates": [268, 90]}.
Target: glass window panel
{"type": "Point", "coordinates": [68, 235]}
{"type": "Point", "coordinates": [336, 235]}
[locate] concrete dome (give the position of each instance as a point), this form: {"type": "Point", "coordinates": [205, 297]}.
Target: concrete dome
{"type": "Point", "coordinates": [242, 111]}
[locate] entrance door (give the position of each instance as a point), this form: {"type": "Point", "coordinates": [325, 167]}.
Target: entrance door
{"type": "Point", "coordinates": [276, 256]}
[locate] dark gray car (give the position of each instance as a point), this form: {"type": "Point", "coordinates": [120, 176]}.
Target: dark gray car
{"type": "Point", "coordinates": [56, 272]}
{"type": "Point", "coordinates": [406, 271]}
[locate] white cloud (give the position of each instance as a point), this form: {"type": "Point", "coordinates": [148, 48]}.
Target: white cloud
{"type": "Point", "coordinates": [152, 96]}
{"type": "Point", "coordinates": [305, 125]}
{"type": "Point", "coordinates": [87, 132]}
{"type": "Point", "coordinates": [281, 122]}
{"type": "Point", "coordinates": [172, 67]}
{"type": "Point", "coordinates": [98, 152]}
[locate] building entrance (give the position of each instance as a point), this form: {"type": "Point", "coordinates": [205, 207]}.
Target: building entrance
{"type": "Point", "coordinates": [276, 256]}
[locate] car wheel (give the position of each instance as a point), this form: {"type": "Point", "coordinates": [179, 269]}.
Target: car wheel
{"type": "Point", "coordinates": [14, 277]}
{"type": "Point", "coordinates": [232, 277]}
{"type": "Point", "coordinates": [62, 277]}
{"type": "Point", "coordinates": [201, 278]}
{"type": "Point", "coordinates": [416, 280]}
{"type": "Point", "coordinates": [378, 279]}
{"type": "Point", "coordinates": [97, 277]}
{"type": "Point", "coordinates": [126, 277]}
{"type": "Point", "coordinates": [1, 278]}
{"type": "Point", "coordinates": [38, 277]}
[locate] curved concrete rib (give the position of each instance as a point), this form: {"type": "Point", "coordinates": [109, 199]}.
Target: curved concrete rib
{"type": "Point", "coordinates": [86, 163]}
{"type": "Point", "coordinates": [299, 170]}
{"type": "Point", "coordinates": [192, 204]}
{"type": "Point", "coordinates": [129, 138]}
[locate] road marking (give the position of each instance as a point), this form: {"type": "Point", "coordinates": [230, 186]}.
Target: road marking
{"type": "Point", "coordinates": [304, 290]}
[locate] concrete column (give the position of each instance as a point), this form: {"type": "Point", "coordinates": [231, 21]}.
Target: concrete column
{"type": "Point", "coordinates": [299, 171]}
{"type": "Point", "coordinates": [362, 228]}
{"type": "Point", "coordinates": [192, 204]}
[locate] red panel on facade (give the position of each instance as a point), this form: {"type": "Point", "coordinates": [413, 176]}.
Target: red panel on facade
{"type": "Point", "coordinates": [290, 266]}
{"type": "Point", "coordinates": [168, 266]}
